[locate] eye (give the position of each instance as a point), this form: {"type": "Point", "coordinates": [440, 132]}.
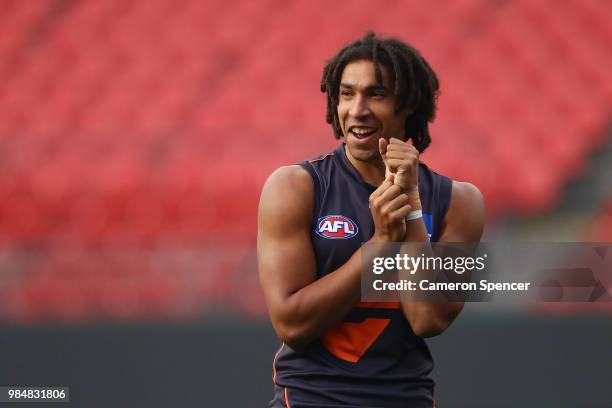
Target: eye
{"type": "Point", "coordinates": [345, 92]}
{"type": "Point", "coordinates": [379, 94]}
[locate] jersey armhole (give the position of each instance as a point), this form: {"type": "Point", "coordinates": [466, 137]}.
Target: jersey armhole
{"type": "Point", "coordinates": [316, 186]}
{"type": "Point", "coordinates": [444, 195]}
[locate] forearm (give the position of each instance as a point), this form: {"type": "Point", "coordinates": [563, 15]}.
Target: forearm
{"type": "Point", "coordinates": [307, 313]}
{"type": "Point", "coordinates": [427, 318]}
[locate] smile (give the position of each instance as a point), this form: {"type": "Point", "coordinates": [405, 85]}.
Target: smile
{"type": "Point", "coordinates": [362, 131]}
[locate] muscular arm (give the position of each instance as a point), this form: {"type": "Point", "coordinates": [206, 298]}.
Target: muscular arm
{"type": "Point", "coordinates": [301, 307]}
{"type": "Point", "coordinates": [463, 222]}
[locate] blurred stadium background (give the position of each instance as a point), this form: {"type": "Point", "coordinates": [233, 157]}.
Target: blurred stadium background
{"type": "Point", "coordinates": [135, 138]}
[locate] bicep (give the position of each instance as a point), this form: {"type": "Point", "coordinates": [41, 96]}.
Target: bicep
{"type": "Point", "coordinates": [284, 251]}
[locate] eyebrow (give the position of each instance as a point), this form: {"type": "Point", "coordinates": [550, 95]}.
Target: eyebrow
{"type": "Point", "coordinates": [368, 88]}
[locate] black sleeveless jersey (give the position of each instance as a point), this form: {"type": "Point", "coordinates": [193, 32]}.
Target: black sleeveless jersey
{"type": "Point", "coordinates": [372, 358]}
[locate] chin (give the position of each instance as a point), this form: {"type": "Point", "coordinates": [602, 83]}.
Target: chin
{"type": "Point", "coordinates": [363, 154]}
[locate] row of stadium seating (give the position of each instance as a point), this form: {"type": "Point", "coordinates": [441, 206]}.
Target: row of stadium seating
{"type": "Point", "coordinates": [534, 88]}
{"type": "Point", "coordinates": [123, 282]}
{"type": "Point", "coordinates": [153, 123]}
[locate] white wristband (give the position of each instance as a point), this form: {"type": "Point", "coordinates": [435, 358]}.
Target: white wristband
{"type": "Point", "coordinates": [413, 215]}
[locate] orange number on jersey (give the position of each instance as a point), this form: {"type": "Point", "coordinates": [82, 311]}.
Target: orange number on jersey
{"type": "Point", "coordinates": [349, 341]}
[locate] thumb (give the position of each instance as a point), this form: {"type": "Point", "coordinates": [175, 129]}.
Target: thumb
{"type": "Point", "coordinates": [382, 148]}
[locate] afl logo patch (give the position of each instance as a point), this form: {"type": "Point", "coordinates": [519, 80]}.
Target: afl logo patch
{"type": "Point", "coordinates": [336, 227]}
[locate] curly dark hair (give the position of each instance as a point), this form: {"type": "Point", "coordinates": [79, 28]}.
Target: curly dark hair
{"type": "Point", "coordinates": [416, 84]}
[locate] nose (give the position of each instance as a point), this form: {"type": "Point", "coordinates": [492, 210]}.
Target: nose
{"type": "Point", "coordinates": [359, 107]}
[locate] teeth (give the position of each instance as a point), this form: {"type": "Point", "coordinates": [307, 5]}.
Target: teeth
{"type": "Point", "coordinates": [362, 131]}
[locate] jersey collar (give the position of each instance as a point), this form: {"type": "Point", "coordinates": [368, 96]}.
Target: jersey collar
{"type": "Point", "coordinates": [350, 170]}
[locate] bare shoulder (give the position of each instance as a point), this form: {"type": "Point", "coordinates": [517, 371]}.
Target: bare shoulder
{"type": "Point", "coordinates": [466, 196]}
{"type": "Point", "coordinates": [289, 177]}
{"type": "Point", "coordinates": [287, 195]}
{"type": "Point", "coordinates": [465, 217]}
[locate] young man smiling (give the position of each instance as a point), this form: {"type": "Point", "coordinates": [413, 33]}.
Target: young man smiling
{"type": "Point", "coordinates": [314, 217]}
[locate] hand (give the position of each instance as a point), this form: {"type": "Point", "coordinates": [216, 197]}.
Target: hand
{"type": "Point", "coordinates": [389, 208]}
{"type": "Point", "coordinates": [402, 160]}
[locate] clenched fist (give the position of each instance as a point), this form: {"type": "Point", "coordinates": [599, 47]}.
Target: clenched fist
{"type": "Point", "coordinates": [389, 208]}
{"type": "Point", "coordinates": [402, 160]}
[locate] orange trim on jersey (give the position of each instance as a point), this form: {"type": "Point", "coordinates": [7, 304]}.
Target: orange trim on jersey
{"type": "Point", "coordinates": [378, 305]}
{"type": "Point", "coordinates": [287, 398]}
{"type": "Point", "coordinates": [349, 341]}
{"type": "Point", "coordinates": [321, 158]}
{"type": "Point", "coordinates": [274, 362]}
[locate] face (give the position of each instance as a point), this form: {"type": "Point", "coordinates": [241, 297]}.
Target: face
{"type": "Point", "coordinates": [367, 110]}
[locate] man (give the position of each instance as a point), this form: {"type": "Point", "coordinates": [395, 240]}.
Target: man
{"type": "Point", "coordinates": [314, 217]}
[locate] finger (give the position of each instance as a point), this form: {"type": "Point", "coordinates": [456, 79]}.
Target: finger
{"type": "Point", "coordinates": [396, 144]}
{"type": "Point", "coordinates": [382, 148]}
{"type": "Point", "coordinates": [401, 148]}
{"type": "Point", "coordinates": [389, 194]}
{"type": "Point", "coordinates": [383, 187]}
{"type": "Point", "coordinates": [396, 141]}
{"type": "Point", "coordinates": [401, 213]}
{"type": "Point", "coordinates": [394, 154]}
{"type": "Point", "coordinates": [398, 202]}
{"type": "Point", "coordinates": [396, 165]}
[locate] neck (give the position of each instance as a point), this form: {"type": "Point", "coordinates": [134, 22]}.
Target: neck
{"type": "Point", "coordinates": [372, 172]}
